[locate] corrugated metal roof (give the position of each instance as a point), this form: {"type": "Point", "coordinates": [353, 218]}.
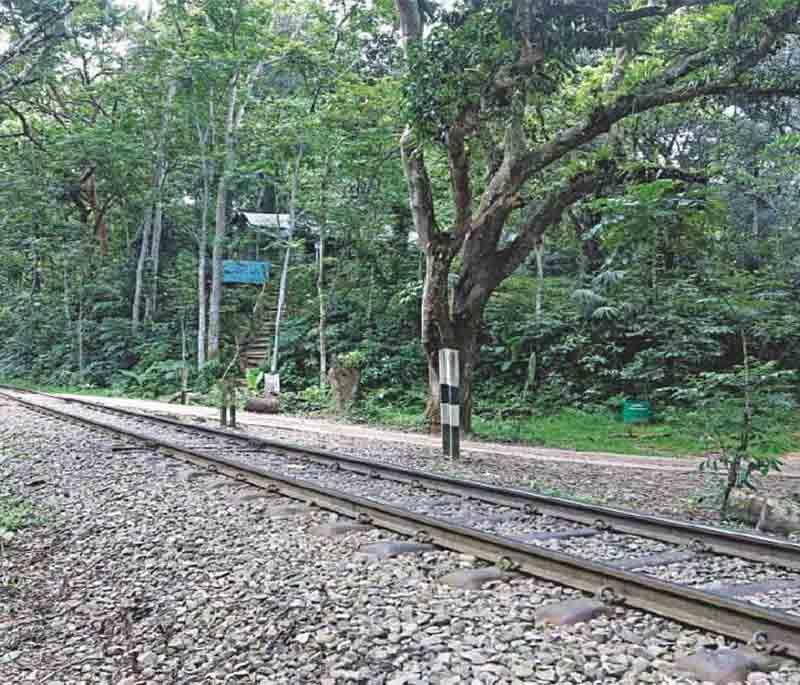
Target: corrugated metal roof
{"type": "Point", "coordinates": [267, 220]}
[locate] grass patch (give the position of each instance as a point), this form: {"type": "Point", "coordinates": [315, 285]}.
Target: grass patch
{"type": "Point", "coordinates": [600, 431]}
{"type": "Point", "coordinates": [24, 384]}
{"type": "Point", "coordinates": [679, 432]}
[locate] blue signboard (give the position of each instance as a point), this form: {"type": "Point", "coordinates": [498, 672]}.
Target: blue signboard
{"type": "Point", "coordinates": [245, 272]}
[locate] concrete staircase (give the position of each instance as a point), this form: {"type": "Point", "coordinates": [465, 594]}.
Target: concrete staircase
{"type": "Point", "coordinates": [257, 348]}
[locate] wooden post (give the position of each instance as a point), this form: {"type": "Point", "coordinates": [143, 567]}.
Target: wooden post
{"type": "Point", "coordinates": [184, 383]}
{"type": "Point", "coordinates": [232, 403]}
{"type": "Point", "coordinates": [449, 401]}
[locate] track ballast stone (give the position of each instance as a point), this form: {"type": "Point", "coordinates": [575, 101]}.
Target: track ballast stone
{"type": "Point", "coordinates": [690, 495]}
{"type": "Point", "coordinates": [536, 529]}
{"type": "Point", "coordinates": [135, 576]}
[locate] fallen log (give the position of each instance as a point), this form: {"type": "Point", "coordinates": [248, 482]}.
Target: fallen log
{"type": "Point", "coordinates": [263, 405]}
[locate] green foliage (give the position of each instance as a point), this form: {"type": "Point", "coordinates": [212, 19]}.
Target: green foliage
{"type": "Point", "coordinates": [352, 360]}
{"type": "Point", "coordinates": [677, 431]}
{"type": "Point", "coordinates": [451, 66]}
{"type": "Point", "coordinates": [254, 379]}
{"type": "Point", "coordinates": [762, 393]}
{"type": "Point", "coordinates": [381, 406]}
{"type": "Point", "coordinates": [206, 377]}
{"type": "Point", "coordinates": [156, 379]}
{"type": "Point", "coordinates": [15, 514]}
{"type": "Point", "coordinates": [311, 400]}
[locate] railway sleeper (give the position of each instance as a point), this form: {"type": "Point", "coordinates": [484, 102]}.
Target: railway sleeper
{"type": "Point", "coordinates": [476, 578]}
{"type": "Point", "coordinates": [388, 550]}
{"type": "Point", "coordinates": [728, 664]}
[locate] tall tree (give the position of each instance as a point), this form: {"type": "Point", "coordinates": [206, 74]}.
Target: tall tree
{"type": "Point", "coordinates": [518, 99]}
{"type": "Point", "coordinates": [152, 221]}
{"type": "Point", "coordinates": [236, 108]}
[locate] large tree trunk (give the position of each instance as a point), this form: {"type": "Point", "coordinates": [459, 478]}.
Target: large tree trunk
{"type": "Point", "coordinates": [469, 353]}
{"type": "Point", "coordinates": [155, 255]}
{"type": "Point", "coordinates": [147, 223]}
{"type": "Point", "coordinates": [221, 221]}
{"type": "Point", "coordinates": [81, 364]}
{"type": "Point", "coordinates": [215, 304]}
{"type": "Point", "coordinates": [322, 295]}
{"type": "Point", "coordinates": [435, 325]}
{"type": "Point", "coordinates": [202, 248]}
{"type": "Point", "coordinates": [466, 342]}
{"type": "Point", "coordinates": [323, 309]}
{"type": "Point", "coordinates": [205, 139]}
{"type": "Point", "coordinates": [344, 384]}
{"type": "Point", "coordinates": [151, 226]}
{"type": "Point", "coordinates": [158, 187]}
{"type": "Point", "coordinates": [449, 320]}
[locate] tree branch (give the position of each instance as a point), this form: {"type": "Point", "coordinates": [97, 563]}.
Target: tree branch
{"type": "Point", "coordinates": [27, 131]}
{"type": "Point", "coordinates": [39, 39]}
{"type": "Point", "coordinates": [606, 175]}
{"type": "Point", "coordinates": [663, 90]}
{"type": "Point", "coordinates": [410, 20]}
{"type": "Point", "coordinates": [458, 159]}
{"type": "Point", "coordinates": [616, 19]}
{"type": "Point", "coordinates": [419, 184]}
{"type": "Point", "coordinates": [419, 189]}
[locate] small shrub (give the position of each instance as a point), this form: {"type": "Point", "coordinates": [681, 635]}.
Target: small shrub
{"type": "Point", "coordinates": [14, 514]}
{"type": "Point", "coordinates": [311, 400]}
{"type": "Point", "coordinates": [355, 359]}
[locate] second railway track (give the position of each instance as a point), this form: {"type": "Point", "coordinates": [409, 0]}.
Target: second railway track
{"type": "Point", "coordinates": [733, 583]}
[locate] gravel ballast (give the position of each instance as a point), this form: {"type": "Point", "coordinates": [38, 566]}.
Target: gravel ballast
{"type": "Point", "coordinates": [689, 494]}
{"type": "Point", "coordinates": [600, 478]}
{"type": "Point", "coordinates": [607, 547]}
{"type": "Point", "coordinates": [133, 575]}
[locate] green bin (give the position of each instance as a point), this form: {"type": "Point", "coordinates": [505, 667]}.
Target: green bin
{"type": "Point", "coordinates": [637, 411]}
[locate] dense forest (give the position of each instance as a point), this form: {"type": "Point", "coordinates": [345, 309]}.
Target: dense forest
{"type": "Point", "coordinates": [590, 201]}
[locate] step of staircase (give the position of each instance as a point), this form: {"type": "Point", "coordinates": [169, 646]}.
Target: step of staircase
{"type": "Point", "coordinates": [258, 349]}
{"type": "Point", "coordinates": [252, 352]}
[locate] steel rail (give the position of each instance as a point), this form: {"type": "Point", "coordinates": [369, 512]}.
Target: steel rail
{"type": "Point", "coordinates": [759, 548]}
{"type": "Point", "coordinates": [701, 609]}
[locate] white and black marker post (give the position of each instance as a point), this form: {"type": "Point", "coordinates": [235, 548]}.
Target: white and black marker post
{"type": "Point", "coordinates": [449, 400]}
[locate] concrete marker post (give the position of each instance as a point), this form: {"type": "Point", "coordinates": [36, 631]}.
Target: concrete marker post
{"type": "Point", "coordinates": [450, 402]}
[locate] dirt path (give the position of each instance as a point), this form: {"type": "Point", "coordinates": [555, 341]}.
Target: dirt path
{"type": "Point", "coordinates": [369, 433]}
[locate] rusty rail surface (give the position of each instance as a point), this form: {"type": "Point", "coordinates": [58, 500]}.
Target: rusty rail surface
{"type": "Point", "coordinates": [700, 608]}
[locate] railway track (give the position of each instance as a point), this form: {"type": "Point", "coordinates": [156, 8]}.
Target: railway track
{"type": "Point", "coordinates": [741, 585]}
